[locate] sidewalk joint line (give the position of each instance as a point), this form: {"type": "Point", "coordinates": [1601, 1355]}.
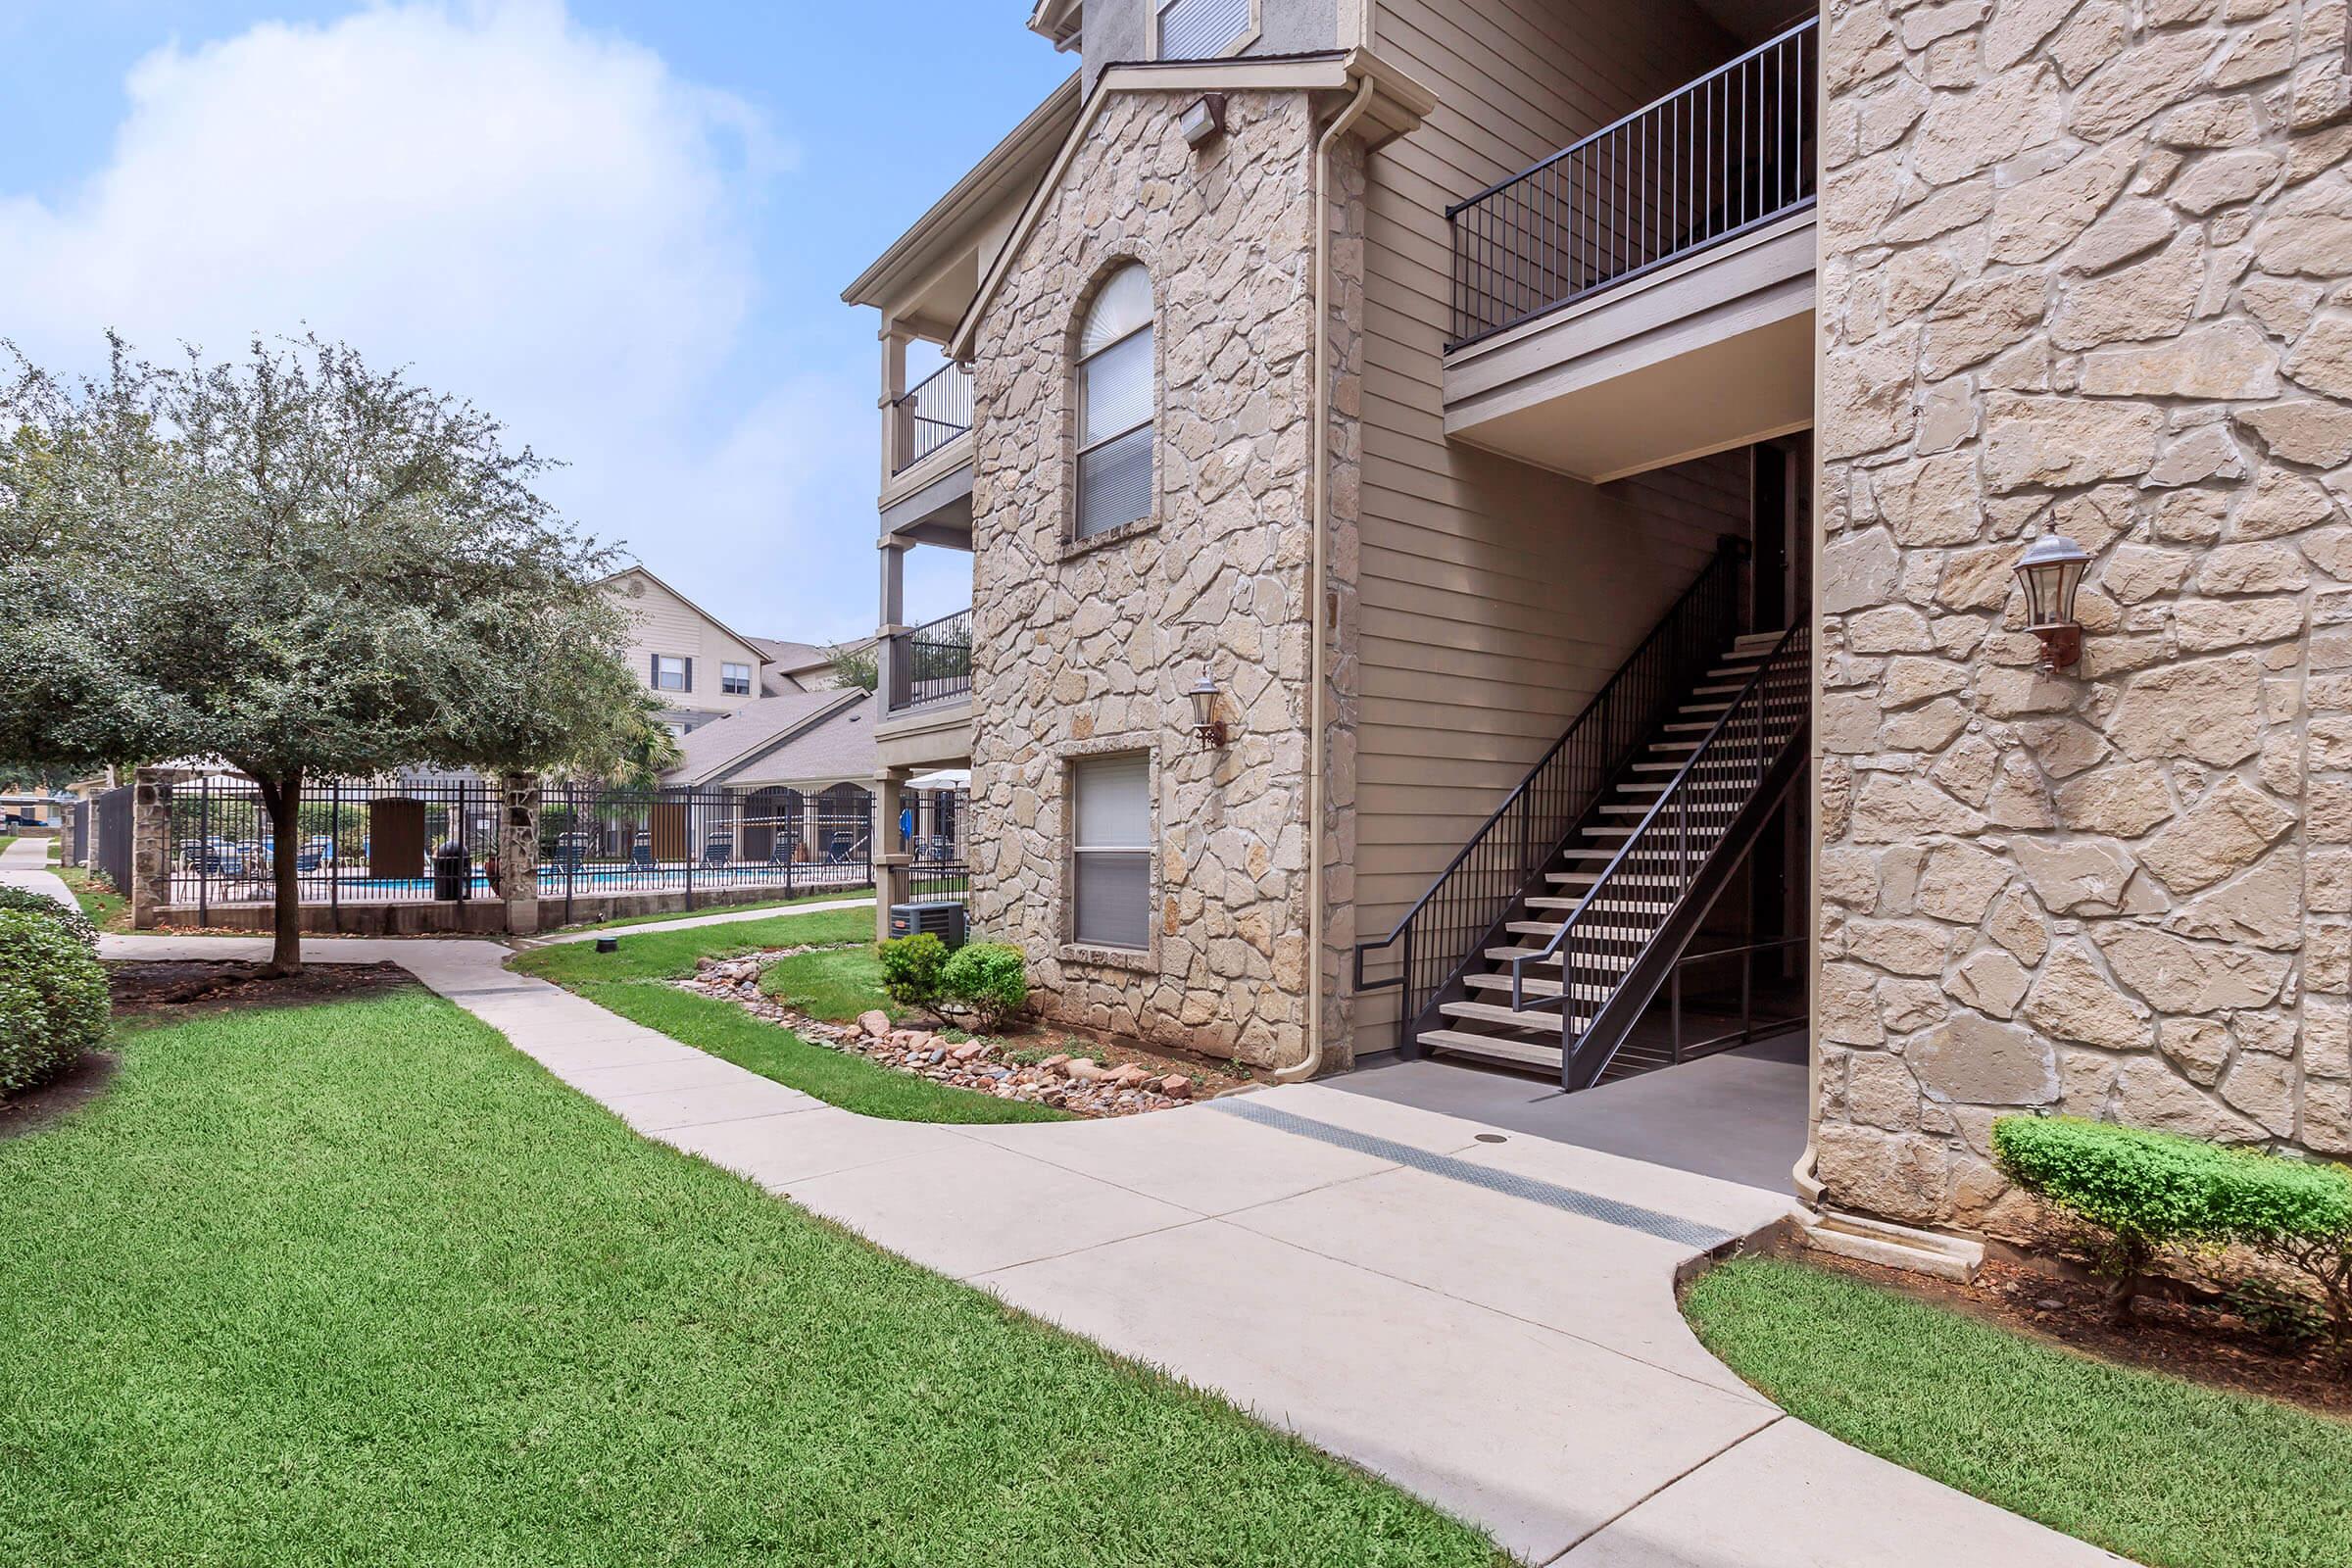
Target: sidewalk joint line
{"type": "Point", "coordinates": [1778, 1416]}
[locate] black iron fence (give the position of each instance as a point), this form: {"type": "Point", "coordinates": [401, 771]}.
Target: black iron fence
{"type": "Point", "coordinates": [937, 409]}
{"type": "Point", "coordinates": [931, 663]}
{"type": "Point", "coordinates": [384, 842]}
{"type": "Point", "coordinates": [1724, 154]}
{"type": "Point", "coordinates": [1447, 928]}
{"type": "Point", "coordinates": [110, 836]}
{"type": "Point", "coordinates": [353, 843]}
{"type": "Point", "coordinates": [938, 868]}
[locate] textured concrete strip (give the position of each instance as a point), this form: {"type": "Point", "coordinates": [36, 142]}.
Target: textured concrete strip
{"type": "Point", "coordinates": [1590, 1205]}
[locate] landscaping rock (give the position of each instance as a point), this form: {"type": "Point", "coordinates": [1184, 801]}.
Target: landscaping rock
{"type": "Point", "coordinates": [875, 1023]}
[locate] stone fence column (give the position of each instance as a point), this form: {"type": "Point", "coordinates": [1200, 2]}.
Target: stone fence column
{"type": "Point", "coordinates": [518, 853]}
{"type": "Point", "coordinates": [150, 846]}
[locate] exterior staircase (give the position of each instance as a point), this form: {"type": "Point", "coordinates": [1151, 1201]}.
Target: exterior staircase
{"type": "Point", "coordinates": [1554, 928]}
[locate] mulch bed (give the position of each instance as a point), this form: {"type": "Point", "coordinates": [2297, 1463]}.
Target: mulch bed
{"type": "Point", "coordinates": [1084, 1075]}
{"type": "Point", "coordinates": [61, 1096]}
{"type": "Point", "coordinates": [2201, 1341]}
{"type": "Point", "coordinates": [148, 991]}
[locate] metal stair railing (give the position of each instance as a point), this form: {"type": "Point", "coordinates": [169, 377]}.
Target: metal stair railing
{"type": "Point", "coordinates": [1606, 946]}
{"type": "Point", "coordinates": [1443, 935]}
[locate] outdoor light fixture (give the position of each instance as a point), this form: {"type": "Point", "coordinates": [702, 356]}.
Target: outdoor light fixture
{"type": "Point", "coordinates": [1203, 118]}
{"type": "Point", "coordinates": [2051, 571]}
{"type": "Point", "coordinates": [1206, 723]}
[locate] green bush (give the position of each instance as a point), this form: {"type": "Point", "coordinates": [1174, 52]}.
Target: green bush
{"type": "Point", "coordinates": [990, 980]}
{"type": "Point", "coordinates": [2147, 1191]}
{"type": "Point", "coordinates": [52, 1003]}
{"type": "Point", "coordinates": [910, 969]}
{"type": "Point", "coordinates": [40, 904]}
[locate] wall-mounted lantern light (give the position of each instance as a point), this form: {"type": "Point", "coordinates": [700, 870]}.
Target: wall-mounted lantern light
{"type": "Point", "coordinates": [2051, 571]}
{"type": "Point", "coordinates": [1206, 725]}
{"type": "Point", "coordinates": [1203, 118]}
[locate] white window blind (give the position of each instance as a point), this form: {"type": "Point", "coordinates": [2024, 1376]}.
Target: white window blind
{"type": "Point", "coordinates": [1116, 405]}
{"type": "Point", "coordinates": [1111, 847]}
{"type": "Point", "coordinates": [1201, 30]}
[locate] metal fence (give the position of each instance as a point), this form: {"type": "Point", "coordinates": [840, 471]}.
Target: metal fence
{"type": "Point", "coordinates": [931, 663]}
{"type": "Point", "coordinates": [937, 409]}
{"type": "Point", "coordinates": [110, 836]}
{"type": "Point", "coordinates": [1719, 156]}
{"type": "Point", "coordinates": [376, 842]}
{"type": "Point", "coordinates": [939, 868]}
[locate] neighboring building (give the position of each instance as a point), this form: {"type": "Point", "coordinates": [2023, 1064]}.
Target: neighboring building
{"type": "Point", "coordinates": [698, 667]}
{"type": "Point", "coordinates": [1579, 452]}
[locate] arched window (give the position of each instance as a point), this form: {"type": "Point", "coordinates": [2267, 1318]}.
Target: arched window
{"type": "Point", "coordinates": [1114, 405]}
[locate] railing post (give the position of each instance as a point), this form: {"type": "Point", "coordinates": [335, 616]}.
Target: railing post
{"type": "Point", "coordinates": [1676, 1007]}
{"type": "Point", "coordinates": [204, 850]}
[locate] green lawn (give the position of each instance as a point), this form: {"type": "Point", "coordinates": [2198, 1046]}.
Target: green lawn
{"type": "Point", "coordinates": [835, 986]}
{"type": "Point", "coordinates": [107, 910]}
{"type": "Point", "coordinates": [359, 1283]}
{"type": "Point", "coordinates": [630, 982]}
{"type": "Point", "coordinates": [2165, 1472]}
{"type": "Point", "coordinates": [834, 897]}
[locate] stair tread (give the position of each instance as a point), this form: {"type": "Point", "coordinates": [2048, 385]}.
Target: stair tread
{"type": "Point", "coordinates": [1533, 985]}
{"type": "Point", "coordinates": [1497, 1046]}
{"type": "Point", "coordinates": [1548, 1022]}
{"type": "Point", "coordinates": [1547, 928]}
{"type": "Point", "coordinates": [1584, 960]}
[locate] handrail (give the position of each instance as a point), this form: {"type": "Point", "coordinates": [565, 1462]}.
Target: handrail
{"type": "Point", "coordinates": [1794, 639]}
{"type": "Point", "coordinates": [1697, 626]}
{"type": "Point", "coordinates": [939, 409]}
{"type": "Point", "coordinates": [930, 661]}
{"type": "Point", "coordinates": [1623, 121]}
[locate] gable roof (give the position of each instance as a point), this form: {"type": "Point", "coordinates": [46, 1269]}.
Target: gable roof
{"type": "Point", "coordinates": [642, 571]}
{"type": "Point", "coordinates": [797, 735]}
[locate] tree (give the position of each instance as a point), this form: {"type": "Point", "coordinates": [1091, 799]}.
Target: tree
{"type": "Point", "coordinates": [855, 667]}
{"type": "Point", "coordinates": [299, 566]}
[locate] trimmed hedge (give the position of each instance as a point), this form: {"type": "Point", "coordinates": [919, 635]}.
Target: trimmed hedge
{"type": "Point", "coordinates": [53, 1003]}
{"type": "Point", "coordinates": [910, 969]}
{"type": "Point", "coordinates": [987, 979]}
{"type": "Point", "coordinates": [41, 903]}
{"type": "Point", "coordinates": [2167, 1188]}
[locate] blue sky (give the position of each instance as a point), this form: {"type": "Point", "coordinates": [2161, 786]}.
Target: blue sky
{"type": "Point", "coordinates": [622, 225]}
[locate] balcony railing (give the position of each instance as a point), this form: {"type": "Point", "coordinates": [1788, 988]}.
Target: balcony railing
{"type": "Point", "coordinates": [1725, 153]}
{"type": "Point", "coordinates": [931, 663]}
{"type": "Point", "coordinates": [935, 412]}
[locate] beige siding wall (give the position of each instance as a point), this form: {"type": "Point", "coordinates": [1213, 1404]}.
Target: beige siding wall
{"type": "Point", "coordinates": [662, 623]}
{"type": "Point", "coordinates": [1496, 597]}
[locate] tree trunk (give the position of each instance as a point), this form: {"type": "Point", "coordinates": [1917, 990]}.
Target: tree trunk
{"type": "Point", "coordinates": [281, 796]}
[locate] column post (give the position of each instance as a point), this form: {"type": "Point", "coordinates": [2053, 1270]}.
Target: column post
{"type": "Point", "coordinates": [890, 879]}
{"type": "Point", "coordinates": [518, 853]}
{"type": "Point", "coordinates": [150, 846]}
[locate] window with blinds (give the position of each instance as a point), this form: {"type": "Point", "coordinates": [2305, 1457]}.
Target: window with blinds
{"type": "Point", "coordinates": [1116, 405]}
{"type": "Point", "coordinates": [1201, 30]}
{"type": "Point", "coordinates": [1111, 850]}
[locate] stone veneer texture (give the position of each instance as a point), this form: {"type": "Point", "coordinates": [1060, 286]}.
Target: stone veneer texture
{"type": "Point", "coordinates": [1088, 647]}
{"type": "Point", "coordinates": [2083, 271]}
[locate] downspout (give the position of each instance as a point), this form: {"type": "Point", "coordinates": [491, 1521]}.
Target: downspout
{"type": "Point", "coordinates": [1320, 510]}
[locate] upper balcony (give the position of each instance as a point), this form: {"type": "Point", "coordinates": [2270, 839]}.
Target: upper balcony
{"type": "Point", "coordinates": [927, 443]}
{"type": "Point", "coordinates": [1645, 295]}
{"type": "Point", "coordinates": [927, 693]}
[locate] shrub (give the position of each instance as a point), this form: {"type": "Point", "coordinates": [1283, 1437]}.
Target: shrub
{"type": "Point", "coordinates": [989, 980]}
{"type": "Point", "coordinates": [52, 1000]}
{"type": "Point", "coordinates": [41, 903]}
{"type": "Point", "coordinates": [2149, 1190]}
{"type": "Point", "coordinates": [911, 967]}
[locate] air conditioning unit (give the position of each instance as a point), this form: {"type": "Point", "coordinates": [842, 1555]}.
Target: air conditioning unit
{"type": "Point", "coordinates": [943, 920]}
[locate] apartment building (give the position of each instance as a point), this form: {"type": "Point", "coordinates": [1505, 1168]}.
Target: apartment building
{"type": "Point", "coordinates": [1478, 507]}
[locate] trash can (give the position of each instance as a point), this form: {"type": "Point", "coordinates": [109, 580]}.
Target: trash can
{"type": "Point", "coordinates": [453, 871]}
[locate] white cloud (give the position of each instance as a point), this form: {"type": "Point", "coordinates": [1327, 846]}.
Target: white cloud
{"type": "Point", "coordinates": [540, 217]}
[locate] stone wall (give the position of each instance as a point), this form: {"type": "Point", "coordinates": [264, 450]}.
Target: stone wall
{"type": "Point", "coordinates": [2082, 272]}
{"type": "Point", "coordinates": [1088, 647]}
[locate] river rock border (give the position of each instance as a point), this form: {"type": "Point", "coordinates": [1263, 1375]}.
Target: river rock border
{"type": "Point", "coordinates": [1075, 1084]}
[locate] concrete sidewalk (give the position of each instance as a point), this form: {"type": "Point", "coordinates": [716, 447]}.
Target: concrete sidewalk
{"type": "Point", "coordinates": [25, 863]}
{"type": "Point", "coordinates": [1484, 1317]}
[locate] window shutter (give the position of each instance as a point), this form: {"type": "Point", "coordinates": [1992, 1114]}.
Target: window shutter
{"type": "Point", "coordinates": [689, 664]}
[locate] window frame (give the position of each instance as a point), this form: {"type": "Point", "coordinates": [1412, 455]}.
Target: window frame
{"type": "Point", "coordinates": [685, 664]}
{"type": "Point", "coordinates": [1249, 33]}
{"type": "Point", "coordinates": [1074, 769]}
{"type": "Point", "coordinates": [727, 678]}
{"type": "Point", "coordinates": [1081, 446]}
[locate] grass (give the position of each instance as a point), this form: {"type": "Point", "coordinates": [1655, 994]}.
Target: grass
{"type": "Point", "coordinates": [2163, 1471]}
{"type": "Point", "coordinates": [107, 910]}
{"type": "Point", "coordinates": [359, 1283]}
{"type": "Point", "coordinates": [632, 982]}
{"type": "Point", "coordinates": [835, 986]}
{"type": "Point", "coordinates": [834, 897]}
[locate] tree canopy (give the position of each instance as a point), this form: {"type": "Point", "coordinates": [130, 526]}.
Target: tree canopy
{"type": "Point", "coordinates": [297, 563]}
